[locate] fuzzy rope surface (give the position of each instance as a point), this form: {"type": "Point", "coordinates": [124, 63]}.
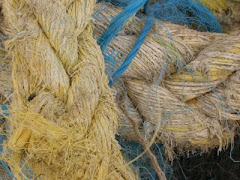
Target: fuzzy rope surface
{"type": "Point", "coordinates": [195, 64]}
{"type": "Point", "coordinates": [185, 45]}
{"type": "Point", "coordinates": [191, 126]}
{"type": "Point", "coordinates": [63, 118]}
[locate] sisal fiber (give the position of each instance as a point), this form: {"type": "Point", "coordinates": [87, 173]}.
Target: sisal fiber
{"type": "Point", "coordinates": [63, 118]}
{"type": "Point", "coordinates": [171, 103]}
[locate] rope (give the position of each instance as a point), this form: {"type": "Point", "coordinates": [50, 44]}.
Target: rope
{"type": "Point", "coordinates": [154, 97]}
{"type": "Point", "coordinates": [63, 120]}
{"type": "Point", "coordinates": [154, 10]}
{"type": "Point", "coordinates": [134, 51]}
{"type": "Point", "coordinates": [115, 26]}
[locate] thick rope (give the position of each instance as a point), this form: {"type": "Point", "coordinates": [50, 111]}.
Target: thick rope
{"type": "Point", "coordinates": [63, 119]}
{"type": "Point", "coordinates": [183, 123]}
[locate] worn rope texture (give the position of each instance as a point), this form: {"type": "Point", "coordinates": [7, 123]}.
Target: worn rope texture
{"type": "Point", "coordinates": [194, 115]}
{"type": "Point", "coordinates": [191, 129]}
{"type": "Point", "coordinates": [63, 118]}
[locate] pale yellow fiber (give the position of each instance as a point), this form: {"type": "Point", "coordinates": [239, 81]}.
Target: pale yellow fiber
{"type": "Point", "coordinates": [63, 117]}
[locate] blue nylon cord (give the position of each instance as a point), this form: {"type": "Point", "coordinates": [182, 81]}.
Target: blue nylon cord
{"type": "Point", "coordinates": [118, 21]}
{"type": "Point", "coordinates": [133, 52]}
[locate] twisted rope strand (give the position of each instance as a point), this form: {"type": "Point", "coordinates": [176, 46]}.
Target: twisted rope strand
{"type": "Point", "coordinates": [63, 119]}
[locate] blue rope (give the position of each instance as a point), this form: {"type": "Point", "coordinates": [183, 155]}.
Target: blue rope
{"type": "Point", "coordinates": [133, 149]}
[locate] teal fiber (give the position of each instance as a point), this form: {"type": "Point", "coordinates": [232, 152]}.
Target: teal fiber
{"type": "Point", "coordinates": [116, 25]}
{"type": "Point", "coordinates": [133, 52]}
{"type": "Point", "coordinates": [117, 22]}
{"type": "Point", "coordinates": [187, 12]}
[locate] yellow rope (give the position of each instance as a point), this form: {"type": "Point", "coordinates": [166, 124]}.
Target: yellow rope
{"type": "Point", "coordinates": [63, 119]}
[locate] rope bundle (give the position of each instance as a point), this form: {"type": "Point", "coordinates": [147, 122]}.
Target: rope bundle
{"type": "Point", "coordinates": [181, 87]}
